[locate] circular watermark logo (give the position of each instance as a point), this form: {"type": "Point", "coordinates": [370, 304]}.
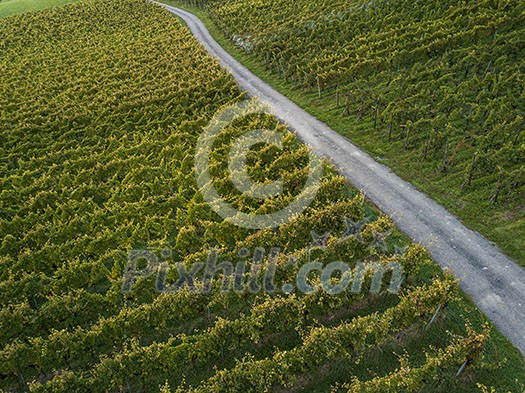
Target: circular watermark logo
{"type": "Point", "coordinates": [238, 174]}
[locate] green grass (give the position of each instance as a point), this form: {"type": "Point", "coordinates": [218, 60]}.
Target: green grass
{"type": "Point", "coordinates": [503, 226]}
{"type": "Point", "coordinates": [12, 7]}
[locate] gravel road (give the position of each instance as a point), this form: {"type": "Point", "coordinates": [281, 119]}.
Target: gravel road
{"type": "Point", "coordinates": [494, 281]}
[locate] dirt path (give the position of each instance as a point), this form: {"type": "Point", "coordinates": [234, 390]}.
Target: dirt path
{"type": "Point", "coordinates": [494, 281]}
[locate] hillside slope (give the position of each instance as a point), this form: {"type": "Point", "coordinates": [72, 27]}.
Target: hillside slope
{"type": "Point", "coordinates": [102, 105]}
{"type": "Point", "coordinates": [12, 7]}
{"type": "Point", "coordinates": [433, 90]}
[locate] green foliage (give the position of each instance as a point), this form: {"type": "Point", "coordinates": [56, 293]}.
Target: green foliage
{"type": "Point", "coordinates": [438, 370]}
{"type": "Point", "coordinates": [101, 107]}
{"type": "Point", "coordinates": [436, 89]}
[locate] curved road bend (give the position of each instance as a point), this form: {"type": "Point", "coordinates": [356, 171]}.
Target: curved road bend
{"type": "Point", "coordinates": [495, 282]}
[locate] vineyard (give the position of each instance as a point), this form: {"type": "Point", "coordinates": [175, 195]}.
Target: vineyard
{"type": "Point", "coordinates": [101, 108]}
{"type": "Point", "coordinates": [436, 91]}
